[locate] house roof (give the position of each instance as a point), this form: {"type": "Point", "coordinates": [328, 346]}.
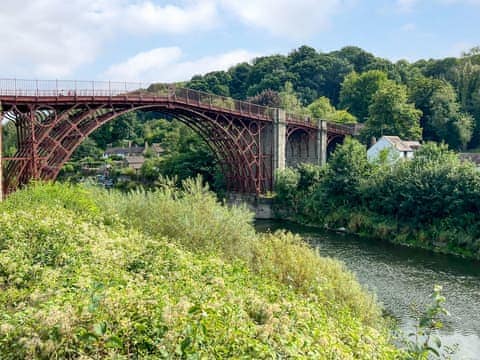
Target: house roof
{"type": "Point", "coordinates": [473, 157]}
{"type": "Point", "coordinates": [125, 150]}
{"type": "Point", "coordinates": [135, 162]}
{"type": "Point", "coordinates": [402, 145]}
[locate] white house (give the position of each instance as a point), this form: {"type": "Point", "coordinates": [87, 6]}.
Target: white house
{"type": "Point", "coordinates": [392, 148]}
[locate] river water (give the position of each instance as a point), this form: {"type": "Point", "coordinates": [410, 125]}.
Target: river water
{"type": "Point", "coordinates": [401, 277]}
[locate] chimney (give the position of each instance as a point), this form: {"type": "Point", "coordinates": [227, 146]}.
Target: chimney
{"type": "Point", "coordinates": [373, 141]}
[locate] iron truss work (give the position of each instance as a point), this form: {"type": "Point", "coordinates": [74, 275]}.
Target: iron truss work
{"type": "Point", "coordinates": [53, 118]}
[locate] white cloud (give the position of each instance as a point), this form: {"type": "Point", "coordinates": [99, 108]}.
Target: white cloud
{"type": "Point", "coordinates": [167, 65]}
{"type": "Point", "coordinates": [52, 38]}
{"type": "Point", "coordinates": [297, 19]}
{"type": "Point", "coordinates": [146, 16]}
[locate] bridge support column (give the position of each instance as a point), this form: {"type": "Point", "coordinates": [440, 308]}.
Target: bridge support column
{"type": "Point", "coordinates": [322, 142]}
{"type": "Point", "coordinates": [279, 141]}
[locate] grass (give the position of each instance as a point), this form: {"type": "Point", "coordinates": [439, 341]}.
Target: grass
{"type": "Point", "coordinates": [170, 274]}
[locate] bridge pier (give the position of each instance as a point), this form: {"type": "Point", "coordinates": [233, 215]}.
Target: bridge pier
{"type": "Point", "coordinates": [322, 143]}
{"type": "Point", "coordinates": [279, 141]}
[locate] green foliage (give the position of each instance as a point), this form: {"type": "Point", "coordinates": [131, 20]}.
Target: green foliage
{"type": "Point", "coordinates": [431, 201]}
{"type": "Point", "coordinates": [348, 166]}
{"type": "Point", "coordinates": [358, 91]}
{"type": "Point", "coordinates": [289, 101]}
{"type": "Point", "coordinates": [391, 114]}
{"type": "Point", "coordinates": [342, 117]}
{"type": "Point", "coordinates": [266, 98]}
{"type": "Point", "coordinates": [286, 187]}
{"type": "Point", "coordinates": [423, 343]}
{"type": "Point", "coordinates": [321, 108]}
{"type": "Point", "coordinates": [169, 274]}
{"type": "Point", "coordinates": [187, 156]}
{"type": "Point", "coordinates": [9, 142]}
{"type": "Point", "coordinates": [441, 117]}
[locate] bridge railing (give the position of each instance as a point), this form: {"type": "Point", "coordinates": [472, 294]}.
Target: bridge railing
{"type": "Point", "coordinates": [58, 88]}
{"type": "Point", "coordinates": [343, 129]}
{"type": "Point", "coordinates": [301, 119]}
{"type": "Point", "coordinates": [217, 102]}
{"type": "Point", "coordinates": [22, 87]}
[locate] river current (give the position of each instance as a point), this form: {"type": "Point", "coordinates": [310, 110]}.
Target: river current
{"type": "Point", "coordinates": [403, 278]}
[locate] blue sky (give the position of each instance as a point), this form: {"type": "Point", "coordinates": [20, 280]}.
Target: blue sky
{"type": "Point", "coordinates": [167, 40]}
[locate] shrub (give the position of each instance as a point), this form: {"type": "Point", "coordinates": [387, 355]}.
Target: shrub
{"type": "Point", "coordinates": [171, 274]}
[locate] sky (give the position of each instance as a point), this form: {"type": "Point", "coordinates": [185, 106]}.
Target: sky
{"type": "Point", "coordinates": [168, 40]}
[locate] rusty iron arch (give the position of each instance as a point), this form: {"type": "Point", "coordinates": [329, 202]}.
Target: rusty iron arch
{"type": "Point", "coordinates": [233, 147]}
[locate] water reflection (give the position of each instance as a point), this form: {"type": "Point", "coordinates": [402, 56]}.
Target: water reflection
{"type": "Point", "coordinates": [401, 277]}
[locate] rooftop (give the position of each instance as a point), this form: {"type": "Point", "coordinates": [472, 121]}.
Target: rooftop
{"type": "Point", "coordinates": [402, 145]}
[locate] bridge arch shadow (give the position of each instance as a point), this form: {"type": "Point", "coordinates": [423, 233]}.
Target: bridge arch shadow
{"type": "Point", "coordinates": [300, 146]}
{"type": "Point", "coordinates": [333, 142]}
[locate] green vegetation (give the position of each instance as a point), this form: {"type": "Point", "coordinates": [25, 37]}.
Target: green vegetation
{"type": "Point", "coordinates": [169, 274]}
{"type": "Point", "coordinates": [423, 343]}
{"type": "Point", "coordinates": [432, 201]}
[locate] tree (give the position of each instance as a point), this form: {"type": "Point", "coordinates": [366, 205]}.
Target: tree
{"type": "Point", "coordinates": [239, 80]}
{"type": "Point", "coordinates": [289, 100]}
{"type": "Point", "coordinates": [358, 91]}
{"type": "Point", "coordinates": [342, 117]}
{"type": "Point", "coordinates": [460, 131]}
{"type": "Point", "coordinates": [215, 82]}
{"type": "Point", "coordinates": [467, 82]}
{"type": "Point", "coordinates": [266, 98]}
{"type": "Point", "coordinates": [9, 142]}
{"type": "Point", "coordinates": [268, 72]}
{"type": "Point", "coordinates": [348, 167]}
{"type": "Point", "coordinates": [334, 72]}
{"type": "Point", "coordinates": [441, 118]}
{"type": "Point", "coordinates": [88, 148]}
{"type": "Point", "coordinates": [359, 58]}
{"type": "Point", "coordinates": [391, 114]}
{"type": "Point", "coordinates": [321, 108]}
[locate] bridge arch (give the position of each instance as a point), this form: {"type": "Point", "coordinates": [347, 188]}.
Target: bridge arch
{"type": "Point", "coordinates": [57, 134]}
{"type": "Point", "coordinates": [300, 146]}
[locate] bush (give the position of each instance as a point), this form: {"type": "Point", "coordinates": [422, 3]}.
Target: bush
{"type": "Point", "coordinates": [432, 201]}
{"type": "Point", "coordinates": [171, 274]}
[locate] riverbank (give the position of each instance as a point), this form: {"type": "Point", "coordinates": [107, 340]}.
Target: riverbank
{"type": "Point", "coordinates": [170, 274]}
{"type": "Point", "coordinates": [368, 225]}
{"type": "Point", "coordinates": [430, 202]}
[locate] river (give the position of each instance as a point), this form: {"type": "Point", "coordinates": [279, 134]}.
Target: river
{"type": "Point", "coordinates": [401, 277]}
